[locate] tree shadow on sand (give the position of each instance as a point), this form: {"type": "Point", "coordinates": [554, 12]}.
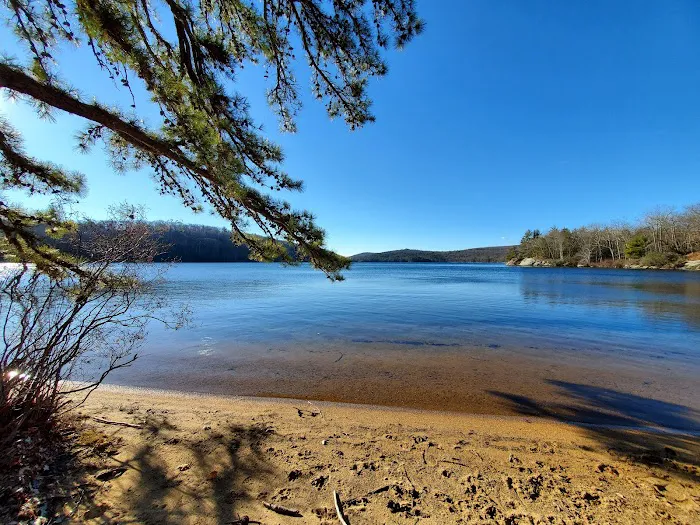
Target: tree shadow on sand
{"type": "Point", "coordinates": [215, 483]}
{"type": "Point", "coordinates": [643, 430]}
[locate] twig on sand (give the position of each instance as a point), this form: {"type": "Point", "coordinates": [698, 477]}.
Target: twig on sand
{"type": "Point", "coordinates": [453, 462]}
{"type": "Point", "coordinates": [341, 356]}
{"type": "Point", "coordinates": [380, 490]}
{"type": "Point", "coordinates": [245, 520]}
{"type": "Point", "coordinates": [338, 509]}
{"type": "Point", "coordinates": [118, 423]}
{"type": "Point", "coordinates": [315, 411]}
{"type": "Point", "coordinates": [77, 503]}
{"type": "Point", "coordinates": [279, 509]}
{"type": "Point", "coordinates": [303, 413]}
{"type": "Point", "coordinates": [409, 479]}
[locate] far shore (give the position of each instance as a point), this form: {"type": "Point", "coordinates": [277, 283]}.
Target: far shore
{"type": "Point", "coordinates": [532, 262]}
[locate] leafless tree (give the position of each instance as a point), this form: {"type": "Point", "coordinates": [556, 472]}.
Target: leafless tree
{"type": "Point", "coordinates": [667, 232]}
{"type": "Point", "coordinates": [64, 335]}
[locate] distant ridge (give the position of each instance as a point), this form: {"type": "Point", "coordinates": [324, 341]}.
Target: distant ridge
{"type": "Point", "coordinates": [199, 243]}
{"type": "Point", "coordinates": [471, 255]}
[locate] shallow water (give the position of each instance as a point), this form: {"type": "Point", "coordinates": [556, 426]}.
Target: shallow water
{"type": "Point", "coordinates": [587, 345]}
{"type": "Point", "coordinates": [250, 307]}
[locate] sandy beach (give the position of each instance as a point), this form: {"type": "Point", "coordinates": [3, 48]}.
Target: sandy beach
{"type": "Point", "coordinates": [209, 459]}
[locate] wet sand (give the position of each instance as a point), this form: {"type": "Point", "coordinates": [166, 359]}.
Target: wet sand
{"type": "Point", "coordinates": [574, 386]}
{"type": "Point", "coordinates": [206, 459]}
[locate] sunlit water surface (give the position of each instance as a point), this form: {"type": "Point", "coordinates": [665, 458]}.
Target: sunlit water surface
{"type": "Point", "coordinates": [248, 306]}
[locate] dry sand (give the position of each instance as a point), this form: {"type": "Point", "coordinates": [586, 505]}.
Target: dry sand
{"type": "Point", "coordinates": [209, 459]}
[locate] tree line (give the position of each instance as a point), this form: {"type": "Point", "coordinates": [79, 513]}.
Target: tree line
{"type": "Point", "coordinates": [177, 242]}
{"type": "Point", "coordinates": [664, 237]}
{"type": "Point", "coordinates": [198, 243]}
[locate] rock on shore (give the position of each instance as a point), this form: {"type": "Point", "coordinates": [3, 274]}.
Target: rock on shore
{"type": "Point", "coordinates": [693, 265]}
{"type": "Point", "coordinates": [530, 261]}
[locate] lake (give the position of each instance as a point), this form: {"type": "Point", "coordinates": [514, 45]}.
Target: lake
{"type": "Point", "coordinates": [646, 313]}
{"type": "Point", "coordinates": [444, 335]}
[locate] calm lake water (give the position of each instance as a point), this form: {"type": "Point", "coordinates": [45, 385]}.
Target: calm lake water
{"type": "Point", "coordinates": [251, 307]}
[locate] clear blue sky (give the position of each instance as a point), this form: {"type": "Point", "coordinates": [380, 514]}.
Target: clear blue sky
{"type": "Point", "coordinates": [502, 116]}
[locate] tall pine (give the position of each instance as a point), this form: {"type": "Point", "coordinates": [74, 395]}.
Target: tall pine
{"type": "Point", "coordinates": [206, 149]}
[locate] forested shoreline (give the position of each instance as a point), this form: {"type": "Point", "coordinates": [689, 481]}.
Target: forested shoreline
{"type": "Point", "coordinates": [198, 243]}
{"type": "Point", "coordinates": [663, 238]}
{"type": "Point", "coordinates": [177, 241]}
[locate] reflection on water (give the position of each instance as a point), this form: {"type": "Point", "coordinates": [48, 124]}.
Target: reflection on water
{"type": "Point", "coordinates": [207, 346]}
{"type": "Point", "coordinates": [658, 295]}
{"type": "Point", "coordinates": [688, 288]}
{"type": "Point", "coordinates": [254, 307]}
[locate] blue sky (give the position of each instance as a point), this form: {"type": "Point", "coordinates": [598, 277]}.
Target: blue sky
{"type": "Point", "coordinates": [502, 116]}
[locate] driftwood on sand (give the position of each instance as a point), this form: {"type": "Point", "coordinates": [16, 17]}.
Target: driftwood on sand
{"type": "Point", "coordinates": [279, 509]}
{"type": "Point", "coordinates": [118, 423]}
{"type": "Point", "coordinates": [338, 509]}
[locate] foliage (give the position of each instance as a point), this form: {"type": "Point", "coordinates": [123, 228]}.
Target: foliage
{"type": "Point", "coordinates": [569, 262]}
{"type": "Point", "coordinates": [179, 242]}
{"type": "Point", "coordinates": [671, 232]}
{"type": "Point", "coordinates": [207, 151]}
{"type": "Point", "coordinates": [636, 247]}
{"type": "Point", "coordinates": [192, 243]}
{"type": "Point", "coordinates": [658, 260]}
{"type": "Point", "coordinates": [530, 235]}
{"type": "Point", "coordinates": [79, 327]}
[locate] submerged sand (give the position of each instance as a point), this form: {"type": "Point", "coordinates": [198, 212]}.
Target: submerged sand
{"type": "Point", "coordinates": [607, 386]}
{"type": "Point", "coordinates": [208, 459]}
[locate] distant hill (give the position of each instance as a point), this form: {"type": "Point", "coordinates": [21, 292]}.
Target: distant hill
{"type": "Point", "coordinates": [471, 255]}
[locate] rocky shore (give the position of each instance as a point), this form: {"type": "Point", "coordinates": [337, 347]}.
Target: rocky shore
{"type": "Point", "coordinates": [691, 265]}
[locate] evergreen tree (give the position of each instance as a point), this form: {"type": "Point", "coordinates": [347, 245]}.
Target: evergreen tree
{"type": "Point", "coordinates": [636, 247]}
{"type": "Point", "coordinates": [207, 150]}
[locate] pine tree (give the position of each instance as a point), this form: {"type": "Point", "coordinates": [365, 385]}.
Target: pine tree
{"type": "Point", "coordinates": [636, 247]}
{"type": "Point", "coordinates": [207, 150]}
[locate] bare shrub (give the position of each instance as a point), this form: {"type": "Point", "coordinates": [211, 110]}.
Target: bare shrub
{"type": "Point", "coordinates": [65, 334]}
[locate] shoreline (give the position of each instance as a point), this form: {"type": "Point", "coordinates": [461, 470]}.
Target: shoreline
{"type": "Point", "coordinates": [399, 410]}
{"type": "Point", "coordinates": [196, 459]}
{"type": "Point", "coordinates": [531, 262]}
{"type": "Point", "coordinates": [569, 386]}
